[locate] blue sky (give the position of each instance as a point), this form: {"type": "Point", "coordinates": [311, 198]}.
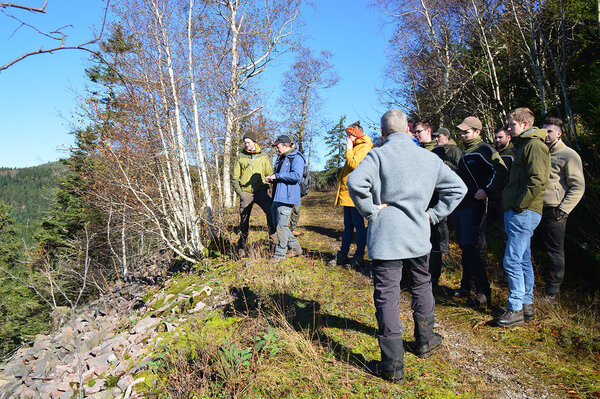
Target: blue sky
{"type": "Point", "coordinates": [39, 95]}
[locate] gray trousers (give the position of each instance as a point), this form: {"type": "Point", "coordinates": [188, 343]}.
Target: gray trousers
{"type": "Point", "coordinates": [386, 279]}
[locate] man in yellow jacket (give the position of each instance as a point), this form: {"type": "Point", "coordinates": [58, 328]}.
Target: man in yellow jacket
{"type": "Point", "coordinates": [357, 146]}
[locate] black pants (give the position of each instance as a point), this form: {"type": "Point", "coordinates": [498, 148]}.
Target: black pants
{"type": "Point", "coordinates": [438, 235]}
{"type": "Point", "coordinates": [468, 222]}
{"type": "Point", "coordinates": [444, 234]}
{"type": "Point", "coordinates": [552, 235]}
{"type": "Point", "coordinates": [262, 199]}
{"type": "Point", "coordinates": [386, 279]}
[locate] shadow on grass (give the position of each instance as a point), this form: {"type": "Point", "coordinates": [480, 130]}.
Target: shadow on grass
{"type": "Point", "coordinates": [304, 316]}
{"type": "Point", "coordinates": [326, 231]}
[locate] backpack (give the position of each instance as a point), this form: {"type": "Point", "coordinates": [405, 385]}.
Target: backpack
{"type": "Point", "coordinates": [306, 178]}
{"type": "Point", "coordinates": [306, 181]}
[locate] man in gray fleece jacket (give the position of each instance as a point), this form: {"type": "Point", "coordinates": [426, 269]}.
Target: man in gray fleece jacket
{"type": "Point", "coordinates": [392, 188]}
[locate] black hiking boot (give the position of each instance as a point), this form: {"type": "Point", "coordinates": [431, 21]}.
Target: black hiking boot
{"type": "Point", "coordinates": [479, 301]}
{"type": "Point", "coordinates": [391, 367]}
{"type": "Point", "coordinates": [339, 260]}
{"type": "Point", "coordinates": [357, 262]}
{"type": "Point", "coordinates": [426, 341]}
{"type": "Point", "coordinates": [511, 318]}
{"type": "Point", "coordinates": [528, 313]}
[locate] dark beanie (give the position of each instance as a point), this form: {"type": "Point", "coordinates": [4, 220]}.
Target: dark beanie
{"type": "Point", "coordinates": [250, 135]}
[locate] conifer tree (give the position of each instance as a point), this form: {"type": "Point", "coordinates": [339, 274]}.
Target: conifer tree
{"type": "Point", "coordinates": [335, 140]}
{"type": "Point", "coordinates": [71, 210]}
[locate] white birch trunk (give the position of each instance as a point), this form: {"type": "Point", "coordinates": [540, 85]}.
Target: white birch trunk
{"type": "Point", "coordinates": [205, 188]}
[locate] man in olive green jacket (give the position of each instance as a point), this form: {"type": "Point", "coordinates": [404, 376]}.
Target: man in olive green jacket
{"type": "Point", "coordinates": [522, 200]}
{"type": "Point", "coordinates": [249, 172]}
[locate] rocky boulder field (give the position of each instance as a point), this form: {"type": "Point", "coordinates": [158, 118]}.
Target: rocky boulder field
{"type": "Point", "coordinates": [99, 349]}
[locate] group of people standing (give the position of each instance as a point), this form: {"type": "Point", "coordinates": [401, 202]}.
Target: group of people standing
{"type": "Point", "coordinates": [252, 176]}
{"type": "Point", "coordinates": [407, 192]}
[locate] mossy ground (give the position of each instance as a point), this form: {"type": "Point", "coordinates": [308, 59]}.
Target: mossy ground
{"type": "Point", "coordinates": [302, 329]}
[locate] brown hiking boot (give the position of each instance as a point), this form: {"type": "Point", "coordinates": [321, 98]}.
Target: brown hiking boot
{"type": "Point", "coordinates": [297, 233]}
{"type": "Point", "coordinates": [294, 252]}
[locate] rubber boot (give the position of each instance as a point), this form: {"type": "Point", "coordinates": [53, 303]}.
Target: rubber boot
{"type": "Point", "coordinates": [392, 359]}
{"type": "Point", "coordinates": [426, 341]}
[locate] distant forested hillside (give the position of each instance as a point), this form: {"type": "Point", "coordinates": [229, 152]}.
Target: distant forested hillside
{"type": "Point", "coordinates": [29, 192]}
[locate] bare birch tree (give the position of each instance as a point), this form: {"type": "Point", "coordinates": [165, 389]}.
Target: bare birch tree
{"type": "Point", "coordinates": [300, 92]}
{"type": "Point", "coordinates": [251, 35]}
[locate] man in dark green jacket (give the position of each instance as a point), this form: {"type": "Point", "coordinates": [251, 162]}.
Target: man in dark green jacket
{"type": "Point", "coordinates": [446, 149]}
{"type": "Point", "coordinates": [523, 202]}
{"type": "Point", "coordinates": [504, 147]}
{"type": "Point", "coordinates": [249, 172]}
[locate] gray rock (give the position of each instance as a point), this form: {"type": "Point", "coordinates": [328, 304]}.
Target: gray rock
{"type": "Point", "coordinates": [124, 382]}
{"type": "Point", "coordinates": [45, 388]}
{"type": "Point", "coordinates": [108, 394]}
{"type": "Point", "coordinates": [146, 324]}
{"type": "Point", "coordinates": [94, 340]}
{"type": "Point", "coordinates": [39, 370]}
{"type": "Point", "coordinates": [66, 395]}
{"type": "Point", "coordinates": [11, 387]}
{"type": "Point", "coordinates": [18, 370]}
{"type": "Point", "coordinates": [28, 393]}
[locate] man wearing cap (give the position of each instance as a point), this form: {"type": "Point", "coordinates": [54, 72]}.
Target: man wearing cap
{"type": "Point", "coordinates": [565, 189]}
{"type": "Point", "coordinates": [439, 232]}
{"type": "Point", "coordinates": [440, 236]}
{"type": "Point", "coordinates": [523, 202]}
{"type": "Point", "coordinates": [484, 173]}
{"type": "Point", "coordinates": [289, 169]}
{"type": "Point", "coordinates": [250, 170]}
{"type": "Point", "coordinates": [398, 234]}
{"type": "Point", "coordinates": [451, 153]}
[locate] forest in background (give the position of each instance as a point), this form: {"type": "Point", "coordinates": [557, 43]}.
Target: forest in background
{"type": "Point", "coordinates": [29, 193]}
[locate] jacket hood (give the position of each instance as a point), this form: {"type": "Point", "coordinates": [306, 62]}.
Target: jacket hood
{"type": "Point", "coordinates": [533, 133]}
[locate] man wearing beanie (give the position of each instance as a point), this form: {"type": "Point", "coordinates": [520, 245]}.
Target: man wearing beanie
{"type": "Point", "coordinates": [484, 173]}
{"type": "Point", "coordinates": [357, 146]}
{"type": "Point", "coordinates": [398, 234]}
{"type": "Point", "coordinates": [250, 169]}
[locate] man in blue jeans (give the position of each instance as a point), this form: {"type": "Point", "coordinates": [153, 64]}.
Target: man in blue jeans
{"type": "Point", "coordinates": [289, 168]}
{"type": "Point", "coordinates": [522, 201]}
